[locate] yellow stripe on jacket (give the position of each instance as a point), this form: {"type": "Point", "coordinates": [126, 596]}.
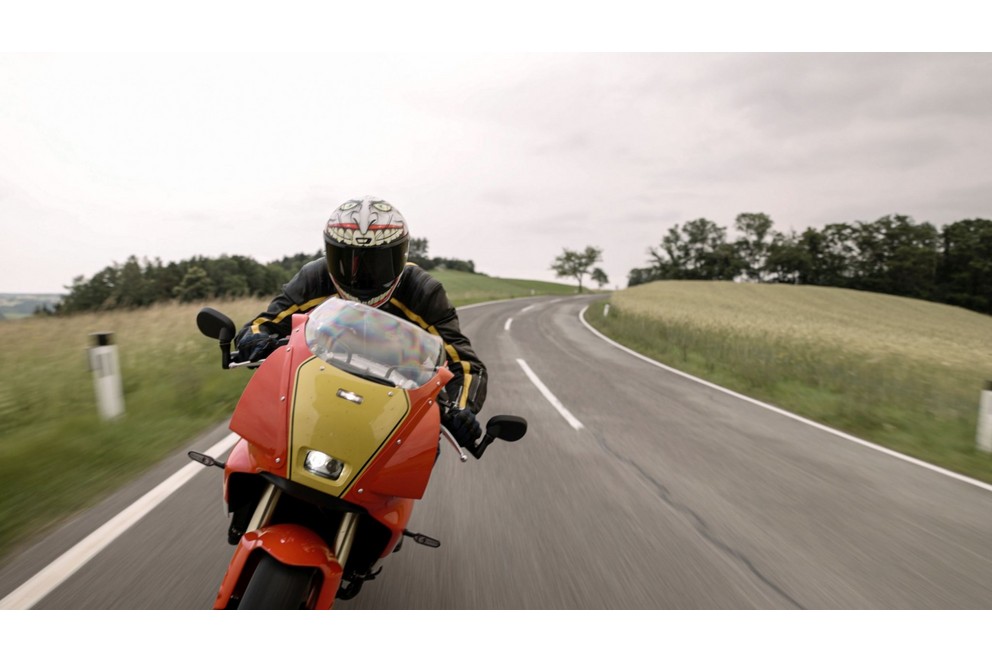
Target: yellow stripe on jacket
{"type": "Point", "coordinates": [292, 309]}
{"type": "Point", "coordinates": [450, 349]}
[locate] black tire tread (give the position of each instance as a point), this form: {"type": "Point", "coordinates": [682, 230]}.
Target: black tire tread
{"type": "Point", "coordinates": [275, 586]}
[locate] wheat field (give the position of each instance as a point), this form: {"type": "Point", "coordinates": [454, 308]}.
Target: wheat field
{"type": "Point", "coordinates": [903, 373]}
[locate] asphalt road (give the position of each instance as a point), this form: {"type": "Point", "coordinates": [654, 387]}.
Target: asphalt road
{"type": "Point", "coordinates": [641, 489]}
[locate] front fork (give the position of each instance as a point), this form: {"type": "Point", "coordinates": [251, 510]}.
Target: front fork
{"type": "Point", "coordinates": [346, 530]}
{"type": "Point", "coordinates": [290, 544]}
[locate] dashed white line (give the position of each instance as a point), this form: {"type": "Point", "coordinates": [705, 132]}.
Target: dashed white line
{"type": "Point", "coordinates": [507, 326]}
{"type": "Point", "coordinates": [565, 413]}
{"type": "Point", "coordinates": [49, 578]}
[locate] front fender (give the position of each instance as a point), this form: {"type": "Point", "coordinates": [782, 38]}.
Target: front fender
{"type": "Point", "coordinates": [290, 544]}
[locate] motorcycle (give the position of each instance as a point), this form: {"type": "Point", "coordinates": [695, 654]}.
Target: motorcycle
{"type": "Point", "coordinates": [339, 431]}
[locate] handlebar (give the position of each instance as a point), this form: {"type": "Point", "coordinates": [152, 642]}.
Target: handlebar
{"type": "Point", "coordinates": [451, 439]}
{"type": "Point", "coordinates": [479, 447]}
{"type": "Point", "coordinates": [230, 364]}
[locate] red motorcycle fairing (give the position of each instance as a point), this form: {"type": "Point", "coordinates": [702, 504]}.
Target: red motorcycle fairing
{"type": "Point", "coordinates": [290, 544]}
{"type": "Point", "coordinates": [385, 489]}
{"type": "Point", "coordinates": [262, 414]}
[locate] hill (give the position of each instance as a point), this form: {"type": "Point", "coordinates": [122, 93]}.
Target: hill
{"type": "Point", "coordinates": [901, 372]}
{"type": "Point", "coordinates": [467, 288]}
{"type": "Point", "coordinates": [16, 306]}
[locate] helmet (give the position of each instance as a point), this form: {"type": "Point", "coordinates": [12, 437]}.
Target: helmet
{"type": "Point", "coordinates": [366, 243]}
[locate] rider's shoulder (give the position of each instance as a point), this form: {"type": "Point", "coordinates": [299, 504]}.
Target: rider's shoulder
{"type": "Point", "coordinates": [417, 285]}
{"type": "Point", "coordinates": [418, 278]}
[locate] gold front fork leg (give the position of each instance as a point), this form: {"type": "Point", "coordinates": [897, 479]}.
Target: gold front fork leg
{"type": "Point", "coordinates": [266, 506]}
{"type": "Point", "coordinates": [345, 538]}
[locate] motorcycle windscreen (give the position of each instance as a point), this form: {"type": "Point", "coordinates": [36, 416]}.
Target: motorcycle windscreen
{"type": "Point", "coordinates": [373, 344]}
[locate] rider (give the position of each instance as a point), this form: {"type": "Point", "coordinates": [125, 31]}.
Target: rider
{"type": "Point", "coordinates": [366, 242]}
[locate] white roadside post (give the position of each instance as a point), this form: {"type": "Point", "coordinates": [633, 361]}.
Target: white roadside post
{"type": "Point", "coordinates": [606, 310]}
{"type": "Point", "coordinates": [106, 376]}
{"type": "Point", "coordinates": [984, 435]}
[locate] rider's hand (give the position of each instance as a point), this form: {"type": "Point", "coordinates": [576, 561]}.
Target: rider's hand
{"type": "Point", "coordinates": [463, 426]}
{"type": "Point", "coordinates": [256, 346]}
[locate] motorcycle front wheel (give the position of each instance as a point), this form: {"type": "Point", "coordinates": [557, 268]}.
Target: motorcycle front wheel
{"type": "Point", "coordinates": [275, 586]}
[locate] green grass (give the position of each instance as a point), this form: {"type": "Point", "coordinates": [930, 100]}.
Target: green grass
{"type": "Point", "coordinates": [902, 373]}
{"type": "Point", "coordinates": [468, 288]}
{"type": "Point", "coordinates": [57, 456]}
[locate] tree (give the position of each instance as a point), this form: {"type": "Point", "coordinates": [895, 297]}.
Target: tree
{"type": "Point", "coordinates": [965, 270]}
{"type": "Point", "coordinates": [572, 264]}
{"type": "Point", "coordinates": [599, 277]}
{"type": "Point", "coordinates": [196, 285]}
{"type": "Point", "coordinates": [787, 260]}
{"type": "Point", "coordinates": [696, 251]}
{"type": "Point", "coordinates": [132, 288]}
{"type": "Point", "coordinates": [831, 255]}
{"type": "Point", "coordinates": [639, 276]}
{"type": "Point", "coordinates": [92, 294]}
{"type": "Point", "coordinates": [899, 257]}
{"type": "Point", "coordinates": [418, 254]}
{"type": "Point", "coordinates": [752, 247]}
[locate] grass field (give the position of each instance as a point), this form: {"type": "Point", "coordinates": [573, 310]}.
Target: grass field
{"type": "Point", "coordinates": [467, 288]}
{"type": "Point", "coordinates": [902, 373]}
{"type": "Point", "coordinates": [56, 454]}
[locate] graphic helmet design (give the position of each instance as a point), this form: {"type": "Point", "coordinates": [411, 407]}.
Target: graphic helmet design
{"type": "Point", "coordinates": [366, 243]}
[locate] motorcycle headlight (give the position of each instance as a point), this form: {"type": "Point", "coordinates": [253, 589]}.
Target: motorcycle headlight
{"type": "Point", "coordinates": [323, 465]}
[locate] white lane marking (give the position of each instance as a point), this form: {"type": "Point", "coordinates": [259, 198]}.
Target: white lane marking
{"type": "Point", "coordinates": [49, 578]}
{"type": "Point", "coordinates": [572, 420]}
{"type": "Point", "coordinates": [479, 305]}
{"type": "Point", "coordinates": [507, 326]}
{"type": "Point", "coordinates": [836, 432]}
{"type": "Point", "coordinates": [529, 307]}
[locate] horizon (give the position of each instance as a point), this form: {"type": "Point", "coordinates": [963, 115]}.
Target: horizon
{"type": "Point", "coordinates": [502, 158]}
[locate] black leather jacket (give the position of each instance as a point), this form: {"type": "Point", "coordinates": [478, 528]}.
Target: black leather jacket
{"type": "Point", "coordinates": [419, 298]}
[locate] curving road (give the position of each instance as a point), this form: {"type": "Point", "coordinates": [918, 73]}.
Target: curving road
{"type": "Point", "coordinates": [635, 488]}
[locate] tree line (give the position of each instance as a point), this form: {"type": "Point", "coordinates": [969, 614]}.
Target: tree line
{"type": "Point", "coordinates": [139, 283]}
{"type": "Point", "coordinates": [891, 255]}
{"type": "Point", "coordinates": [418, 255]}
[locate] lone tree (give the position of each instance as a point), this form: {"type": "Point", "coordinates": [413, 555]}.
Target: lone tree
{"type": "Point", "coordinates": [600, 277]}
{"type": "Point", "coordinates": [572, 264]}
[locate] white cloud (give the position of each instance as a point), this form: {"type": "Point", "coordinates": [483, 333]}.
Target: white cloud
{"type": "Point", "coordinates": [502, 159]}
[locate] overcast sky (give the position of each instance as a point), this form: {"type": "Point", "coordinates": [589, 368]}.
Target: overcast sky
{"type": "Point", "coordinates": [504, 159]}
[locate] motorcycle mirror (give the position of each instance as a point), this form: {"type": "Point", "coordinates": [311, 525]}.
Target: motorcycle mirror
{"type": "Point", "coordinates": [215, 324]}
{"type": "Point", "coordinates": [506, 427]}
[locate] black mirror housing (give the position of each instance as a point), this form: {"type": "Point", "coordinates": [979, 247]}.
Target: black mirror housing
{"type": "Point", "coordinates": [506, 427]}
{"type": "Point", "coordinates": [215, 324]}
{"type": "Point", "coordinates": [219, 326]}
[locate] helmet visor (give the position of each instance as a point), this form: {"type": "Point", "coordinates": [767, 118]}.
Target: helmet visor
{"type": "Point", "coordinates": [365, 272]}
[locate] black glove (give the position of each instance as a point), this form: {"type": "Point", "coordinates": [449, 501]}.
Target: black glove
{"type": "Point", "coordinates": [463, 426]}
{"type": "Point", "coordinates": [256, 346]}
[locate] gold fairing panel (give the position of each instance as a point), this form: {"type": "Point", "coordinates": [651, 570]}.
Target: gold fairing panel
{"type": "Point", "coordinates": [353, 433]}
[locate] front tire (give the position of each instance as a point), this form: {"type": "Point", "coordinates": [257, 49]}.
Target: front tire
{"type": "Point", "coordinates": [275, 586]}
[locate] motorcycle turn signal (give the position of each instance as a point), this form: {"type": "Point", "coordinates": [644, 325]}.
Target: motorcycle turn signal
{"type": "Point", "coordinates": [206, 460]}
